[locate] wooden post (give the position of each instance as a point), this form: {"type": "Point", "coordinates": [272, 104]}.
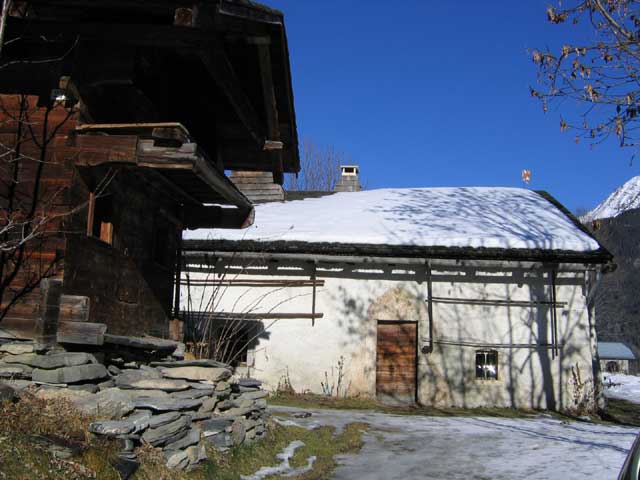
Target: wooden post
{"type": "Point", "coordinates": [429, 309]}
{"type": "Point", "coordinates": [176, 298]}
{"type": "Point", "coordinates": [313, 300]}
{"type": "Point", "coordinates": [91, 213]}
{"type": "Point", "coordinates": [47, 323]}
{"type": "Point", "coordinates": [6, 6]}
{"type": "Point", "coordinates": [271, 108]}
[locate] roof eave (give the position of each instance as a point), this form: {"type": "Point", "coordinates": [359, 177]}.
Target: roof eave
{"type": "Point", "coordinates": [597, 257]}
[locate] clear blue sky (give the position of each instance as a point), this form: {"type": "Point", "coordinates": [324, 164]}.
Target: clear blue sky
{"type": "Point", "coordinates": [425, 93]}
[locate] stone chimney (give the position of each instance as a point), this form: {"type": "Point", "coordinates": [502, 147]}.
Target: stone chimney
{"type": "Point", "coordinates": [348, 179]}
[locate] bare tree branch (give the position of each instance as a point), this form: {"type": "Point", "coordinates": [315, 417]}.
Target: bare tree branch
{"type": "Point", "coordinates": [601, 76]}
{"type": "Point", "coordinates": [319, 168]}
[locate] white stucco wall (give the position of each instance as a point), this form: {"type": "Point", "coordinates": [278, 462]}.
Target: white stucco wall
{"type": "Point", "coordinates": [528, 377]}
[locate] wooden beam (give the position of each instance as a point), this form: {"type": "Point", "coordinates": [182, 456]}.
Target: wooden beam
{"type": "Point", "coordinates": [135, 128]}
{"type": "Point", "coordinates": [265, 316]}
{"type": "Point", "coordinates": [221, 184]}
{"type": "Point", "coordinates": [274, 145]}
{"type": "Point", "coordinates": [145, 343]}
{"type": "Point", "coordinates": [167, 36]}
{"type": "Point", "coordinates": [267, 283]}
{"type": "Point", "coordinates": [74, 308]}
{"type": "Point", "coordinates": [91, 213]}
{"type": "Point", "coordinates": [178, 276]}
{"type": "Point", "coordinates": [249, 11]}
{"type": "Point", "coordinates": [216, 62]}
{"type": "Point", "coordinates": [47, 322]}
{"type": "Point", "coordinates": [81, 333]}
{"type": "Point", "coordinates": [94, 150]}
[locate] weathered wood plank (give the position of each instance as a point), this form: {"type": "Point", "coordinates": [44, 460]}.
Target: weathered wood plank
{"type": "Point", "coordinates": [97, 149]}
{"type": "Point", "coordinates": [47, 322]}
{"type": "Point", "coordinates": [147, 343]}
{"type": "Point", "coordinates": [74, 308]}
{"type": "Point", "coordinates": [396, 361]}
{"type": "Point", "coordinates": [269, 283]}
{"type": "Point", "coordinates": [83, 333]}
{"type": "Point", "coordinates": [269, 316]}
{"type": "Point", "coordinates": [271, 108]}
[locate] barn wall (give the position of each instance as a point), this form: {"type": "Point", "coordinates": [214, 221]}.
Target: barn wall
{"type": "Point", "coordinates": [528, 378]}
{"type": "Point", "coordinates": [44, 255]}
{"type": "Point", "coordinates": [129, 290]}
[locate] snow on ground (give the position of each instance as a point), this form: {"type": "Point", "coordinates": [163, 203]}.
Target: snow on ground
{"type": "Point", "coordinates": [623, 387]}
{"type": "Point", "coordinates": [411, 447]}
{"type": "Point", "coordinates": [626, 197]}
{"type": "Point", "coordinates": [444, 217]}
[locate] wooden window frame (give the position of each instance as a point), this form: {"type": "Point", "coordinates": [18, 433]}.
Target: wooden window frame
{"type": "Point", "coordinates": [482, 369]}
{"type": "Point", "coordinates": [106, 234]}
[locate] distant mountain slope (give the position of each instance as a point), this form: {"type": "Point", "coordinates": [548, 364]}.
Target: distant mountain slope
{"type": "Point", "coordinates": [624, 198]}
{"type": "Point", "coordinates": [617, 303]}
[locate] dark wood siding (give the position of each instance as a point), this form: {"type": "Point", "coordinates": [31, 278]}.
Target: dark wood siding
{"type": "Point", "coordinates": [44, 256]}
{"type": "Point", "coordinates": [129, 285]}
{"type": "Point", "coordinates": [396, 361]}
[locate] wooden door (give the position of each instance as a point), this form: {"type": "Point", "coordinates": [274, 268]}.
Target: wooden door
{"type": "Point", "coordinates": [396, 371]}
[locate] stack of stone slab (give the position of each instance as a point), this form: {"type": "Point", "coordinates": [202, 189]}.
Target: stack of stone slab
{"type": "Point", "coordinates": [23, 361]}
{"type": "Point", "coordinates": [177, 406]}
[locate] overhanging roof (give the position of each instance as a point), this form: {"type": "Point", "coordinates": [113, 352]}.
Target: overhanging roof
{"type": "Point", "coordinates": [166, 152]}
{"type": "Point", "coordinates": [447, 223]}
{"type": "Point", "coordinates": [222, 70]}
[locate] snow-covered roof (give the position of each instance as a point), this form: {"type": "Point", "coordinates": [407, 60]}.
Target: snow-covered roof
{"type": "Point", "coordinates": [471, 217]}
{"type": "Point", "coordinates": [615, 350]}
{"type": "Point", "coordinates": [626, 197]}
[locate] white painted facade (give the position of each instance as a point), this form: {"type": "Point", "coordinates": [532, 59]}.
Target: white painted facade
{"type": "Point", "coordinates": [505, 310]}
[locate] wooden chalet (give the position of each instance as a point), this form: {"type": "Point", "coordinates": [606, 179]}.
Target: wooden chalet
{"type": "Point", "coordinates": [118, 120]}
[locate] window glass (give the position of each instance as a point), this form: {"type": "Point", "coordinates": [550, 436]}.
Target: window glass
{"type": "Point", "coordinates": [487, 364]}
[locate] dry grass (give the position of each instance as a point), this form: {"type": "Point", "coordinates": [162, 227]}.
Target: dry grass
{"type": "Point", "coordinates": [323, 443]}
{"type": "Point", "coordinates": [29, 427]}
{"type": "Point", "coordinates": [356, 403]}
{"type": "Point", "coordinates": [622, 412]}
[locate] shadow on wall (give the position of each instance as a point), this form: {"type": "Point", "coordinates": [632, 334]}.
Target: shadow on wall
{"type": "Point", "coordinates": [527, 377]}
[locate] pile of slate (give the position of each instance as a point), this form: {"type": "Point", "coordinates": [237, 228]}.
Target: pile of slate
{"type": "Point", "coordinates": [177, 406]}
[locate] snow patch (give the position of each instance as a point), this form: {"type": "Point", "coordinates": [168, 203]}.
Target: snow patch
{"type": "Point", "coordinates": [473, 217]}
{"type": "Point", "coordinates": [622, 387]}
{"type": "Point", "coordinates": [284, 469]}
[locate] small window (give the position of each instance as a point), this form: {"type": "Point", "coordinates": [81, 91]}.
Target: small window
{"type": "Point", "coordinates": [487, 365]}
{"type": "Point", "coordinates": [100, 218]}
